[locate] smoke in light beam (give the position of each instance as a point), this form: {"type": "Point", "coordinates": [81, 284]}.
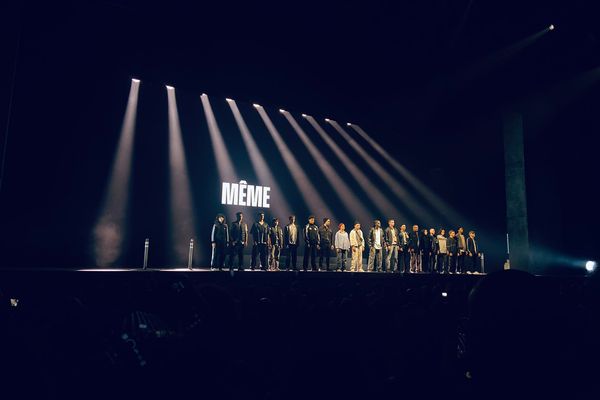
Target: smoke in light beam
{"type": "Point", "coordinates": [310, 195]}
{"type": "Point", "coordinates": [378, 198]}
{"type": "Point", "coordinates": [224, 163]}
{"type": "Point", "coordinates": [263, 172]}
{"type": "Point", "coordinates": [348, 198]}
{"type": "Point", "coordinates": [393, 184]}
{"type": "Point", "coordinates": [110, 229]}
{"type": "Point", "coordinates": [182, 224]}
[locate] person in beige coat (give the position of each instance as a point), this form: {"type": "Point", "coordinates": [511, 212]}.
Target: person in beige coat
{"type": "Point", "coordinates": [357, 243]}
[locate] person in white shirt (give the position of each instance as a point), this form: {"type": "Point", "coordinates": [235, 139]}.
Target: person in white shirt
{"type": "Point", "coordinates": [376, 241]}
{"type": "Point", "coordinates": [357, 243]}
{"type": "Point", "coordinates": [442, 252]}
{"type": "Point", "coordinates": [342, 246]}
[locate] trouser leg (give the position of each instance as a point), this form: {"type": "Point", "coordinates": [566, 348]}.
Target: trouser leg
{"type": "Point", "coordinates": [313, 257]}
{"type": "Point", "coordinates": [294, 255]}
{"type": "Point", "coordinates": [254, 255]}
{"type": "Point", "coordinates": [378, 259]}
{"type": "Point", "coordinates": [306, 257]}
{"type": "Point", "coordinates": [371, 259]}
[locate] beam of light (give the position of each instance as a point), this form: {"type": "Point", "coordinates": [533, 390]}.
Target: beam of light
{"type": "Point", "coordinates": [380, 200]}
{"type": "Point", "coordinates": [393, 184]}
{"type": "Point", "coordinates": [182, 224]}
{"type": "Point", "coordinates": [224, 163]}
{"type": "Point", "coordinates": [348, 198]}
{"type": "Point", "coordinates": [309, 194]}
{"type": "Point", "coordinates": [263, 172]}
{"type": "Point", "coordinates": [110, 229]}
{"type": "Point", "coordinates": [433, 199]}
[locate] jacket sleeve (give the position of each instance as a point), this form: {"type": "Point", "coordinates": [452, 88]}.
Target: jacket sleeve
{"type": "Point", "coordinates": [227, 232]}
{"type": "Point", "coordinates": [212, 234]}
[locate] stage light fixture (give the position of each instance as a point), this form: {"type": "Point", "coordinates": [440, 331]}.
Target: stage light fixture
{"type": "Point", "coordinates": [348, 124]}
{"type": "Point", "coordinates": [228, 100]}
{"type": "Point", "coordinates": [304, 116]}
{"type": "Point", "coordinates": [135, 80]}
{"type": "Point", "coordinates": [444, 294]}
{"type": "Point", "coordinates": [590, 266]}
{"type": "Point", "coordinates": [169, 87]}
{"type": "Point", "coordinates": [551, 27]}
{"type": "Point", "coordinates": [281, 110]}
{"type": "Point", "coordinates": [256, 105]}
{"type": "Point", "coordinates": [327, 120]}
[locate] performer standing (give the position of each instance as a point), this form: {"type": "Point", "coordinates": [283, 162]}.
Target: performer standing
{"type": "Point", "coordinates": [433, 243]}
{"type": "Point", "coordinates": [442, 252]}
{"type": "Point", "coordinates": [260, 235]}
{"type": "Point", "coordinates": [403, 253]}
{"type": "Point", "coordinates": [219, 239]}
{"type": "Point", "coordinates": [357, 243]}
{"type": "Point", "coordinates": [326, 243]}
{"type": "Point", "coordinates": [311, 241]}
{"type": "Point", "coordinates": [452, 246]}
{"type": "Point", "coordinates": [415, 249]}
{"type": "Point", "coordinates": [472, 254]}
{"type": "Point", "coordinates": [291, 243]}
{"type": "Point", "coordinates": [426, 251]}
{"type": "Point", "coordinates": [462, 251]}
{"type": "Point", "coordinates": [238, 241]}
{"type": "Point", "coordinates": [392, 240]}
{"type": "Point", "coordinates": [275, 241]}
{"type": "Point", "coordinates": [376, 242]}
{"type": "Point", "coordinates": [342, 245]}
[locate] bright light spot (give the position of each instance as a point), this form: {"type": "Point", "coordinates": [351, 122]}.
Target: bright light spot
{"type": "Point", "coordinates": [229, 100]}
{"type": "Point", "coordinates": [203, 95]}
{"type": "Point", "coordinates": [348, 123]}
{"type": "Point", "coordinates": [256, 105]}
{"type": "Point", "coordinates": [327, 120]}
{"type": "Point", "coordinates": [281, 110]}
{"type": "Point", "coordinates": [169, 87]}
{"type": "Point", "coordinates": [590, 266]}
{"type": "Point", "coordinates": [444, 294]}
{"type": "Point", "coordinates": [135, 80]}
{"type": "Point", "coordinates": [551, 27]}
{"type": "Point", "coordinates": [14, 302]}
{"type": "Point", "coordinates": [304, 115]}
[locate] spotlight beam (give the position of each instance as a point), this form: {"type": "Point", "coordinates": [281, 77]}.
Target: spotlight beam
{"type": "Point", "coordinates": [263, 172]}
{"type": "Point", "coordinates": [348, 198]}
{"type": "Point", "coordinates": [439, 204]}
{"type": "Point", "coordinates": [110, 230]}
{"type": "Point", "coordinates": [182, 213]}
{"type": "Point", "coordinates": [393, 184]}
{"type": "Point", "coordinates": [222, 158]}
{"type": "Point", "coordinates": [382, 203]}
{"type": "Point", "coordinates": [309, 194]}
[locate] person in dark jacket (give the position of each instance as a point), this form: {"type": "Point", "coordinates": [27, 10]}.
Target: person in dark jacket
{"type": "Point", "coordinates": [275, 243]}
{"type": "Point", "coordinates": [291, 238]}
{"type": "Point", "coordinates": [238, 240]}
{"type": "Point", "coordinates": [311, 241]}
{"type": "Point", "coordinates": [433, 249]}
{"type": "Point", "coordinates": [452, 247]}
{"type": "Point", "coordinates": [260, 237]}
{"type": "Point", "coordinates": [415, 248]}
{"type": "Point", "coordinates": [425, 250]}
{"type": "Point", "coordinates": [473, 254]}
{"type": "Point", "coordinates": [376, 242]}
{"type": "Point", "coordinates": [325, 243]}
{"type": "Point", "coordinates": [219, 239]}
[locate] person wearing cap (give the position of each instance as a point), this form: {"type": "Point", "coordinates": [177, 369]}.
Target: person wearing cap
{"type": "Point", "coordinates": [260, 237]}
{"type": "Point", "coordinates": [357, 243]}
{"type": "Point", "coordinates": [275, 243]}
{"type": "Point", "coordinates": [238, 241]}
{"type": "Point", "coordinates": [219, 239]}
{"type": "Point", "coordinates": [325, 243]}
{"type": "Point", "coordinates": [311, 242]}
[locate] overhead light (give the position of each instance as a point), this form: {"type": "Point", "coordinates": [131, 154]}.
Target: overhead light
{"type": "Point", "coordinates": [590, 266]}
{"type": "Point", "coordinates": [135, 80]}
{"type": "Point", "coordinates": [256, 105]}
{"type": "Point", "coordinates": [203, 95]}
{"type": "Point", "coordinates": [304, 115]}
{"type": "Point", "coordinates": [348, 123]}
{"type": "Point", "coordinates": [551, 27]}
{"type": "Point", "coordinates": [327, 119]}
{"type": "Point", "coordinates": [169, 87]}
{"type": "Point", "coordinates": [229, 100]}
{"type": "Point", "coordinates": [281, 110]}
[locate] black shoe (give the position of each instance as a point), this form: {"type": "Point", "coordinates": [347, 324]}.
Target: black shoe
{"type": "Point", "coordinates": [240, 269]}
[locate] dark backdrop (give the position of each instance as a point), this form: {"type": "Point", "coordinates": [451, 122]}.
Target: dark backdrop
{"type": "Point", "coordinates": [410, 74]}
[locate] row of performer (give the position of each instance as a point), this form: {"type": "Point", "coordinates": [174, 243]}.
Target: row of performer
{"type": "Point", "coordinates": [391, 249]}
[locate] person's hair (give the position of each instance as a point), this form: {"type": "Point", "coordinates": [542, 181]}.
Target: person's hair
{"type": "Point", "coordinates": [291, 216]}
{"type": "Point", "coordinates": [325, 220]}
{"type": "Point", "coordinates": [341, 224]}
{"type": "Point", "coordinates": [376, 221]}
{"type": "Point", "coordinates": [471, 232]}
{"type": "Point", "coordinates": [237, 214]}
{"type": "Point", "coordinates": [451, 231]}
{"type": "Point", "coordinates": [275, 220]}
{"type": "Point", "coordinates": [356, 223]}
{"type": "Point", "coordinates": [390, 220]}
